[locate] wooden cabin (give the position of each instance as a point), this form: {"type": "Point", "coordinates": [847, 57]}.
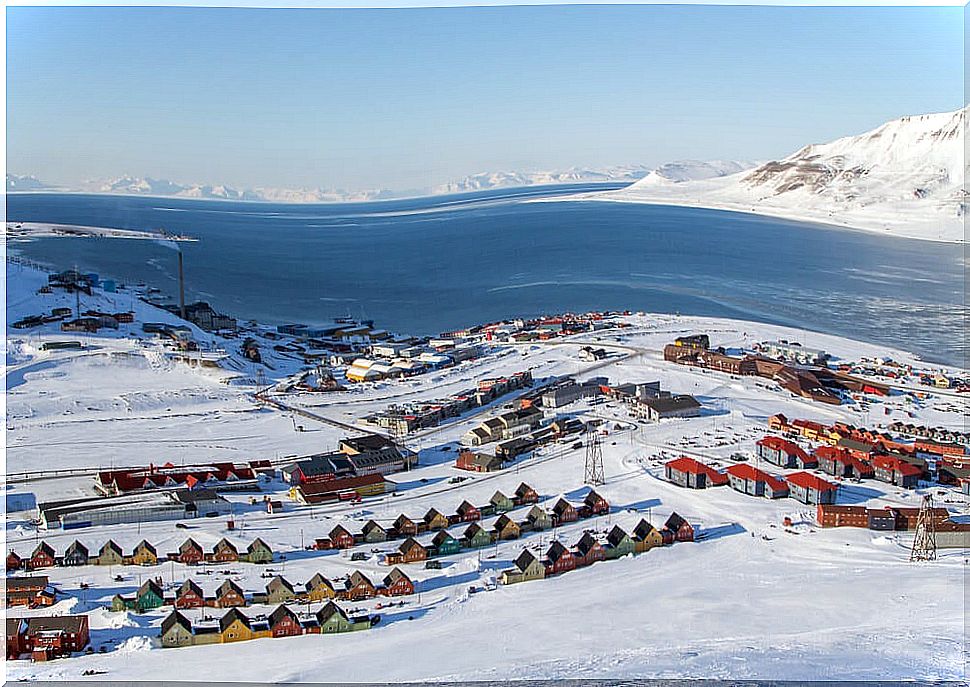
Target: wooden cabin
{"type": "Point", "coordinates": [110, 554]}
{"type": "Point", "coordinates": [359, 586]}
{"type": "Point", "coordinates": [225, 552]}
{"type": "Point", "coordinates": [396, 583]}
{"type": "Point", "coordinates": [229, 595]}
{"type": "Point", "coordinates": [434, 520]}
{"type": "Point", "coordinates": [405, 526]}
{"type": "Point", "coordinates": [468, 513]}
{"type": "Point", "coordinates": [374, 533]}
{"type": "Point", "coordinates": [190, 552]}
{"type": "Point", "coordinates": [189, 595]}
{"type": "Point", "coordinates": [506, 528]}
{"type": "Point", "coordinates": [559, 559]}
{"type": "Point", "coordinates": [564, 511]}
{"type": "Point", "coordinates": [501, 502]}
{"type": "Point", "coordinates": [144, 554]}
{"type": "Point", "coordinates": [525, 494]}
{"type": "Point", "coordinates": [279, 590]}
{"type": "Point", "coordinates": [476, 536]}
{"type": "Point", "coordinates": [341, 538]}
{"type": "Point", "coordinates": [319, 588]}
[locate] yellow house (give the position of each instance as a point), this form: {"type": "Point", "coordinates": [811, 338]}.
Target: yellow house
{"type": "Point", "coordinates": [646, 537]}
{"type": "Point", "coordinates": [319, 588]}
{"type": "Point", "coordinates": [235, 627]}
{"type": "Point", "coordinates": [144, 554]}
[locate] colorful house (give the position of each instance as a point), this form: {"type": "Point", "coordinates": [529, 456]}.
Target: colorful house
{"type": "Point", "coordinates": [434, 520]}
{"type": "Point", "coordinates": [564, 511]}
{"type": "Point", "coordinates": [284, 623]}
{"type": "Point", "coordinates": [404, 526]}
{"type": "Point", "coordinates": [620, 543]}
{"type": "Point", "coordinates": [110, 554]}
{"type": "Point", "coordinates": [396, 583]}
{"type": "Point", "coordinates": [559, 559]}
{"type": "Point", "coordinates": [225, 552]}
{"type": "Point", "coordinates": [359, 586]}
{"type": "Point", "coordinates": [229, 595]}
{"type": "Point", "coordinates": [680, 529]}
{"type": "Point", "coordinates": [506, 528]}
{"type": "Point", "coordinates": [444, 544]}
{"type": "Point", "coordinates": [341, 538]}
{"type": "Point", "coordinates": [76, 554]}
{"type": "Point", "coordinates": [373, 532]}
{"type": "Point", "coordinates": [468, 513]}
{"type": "Point", "coordinates": [14, 562]}
{"type": "Point", "coordinates": [476, 536]}
{"type": "Point", "coordinates": [589, 550]}
{"type": "Point", "coordinates": [176, 630]}
{"type": "Point", "coordinates": [597, 504]}
{"type": "Point", "coordinates": [646, 537]}
{"type": "Point", "coordinates": [539, 518]}
{"type": "Point", "coordinates": [190, 552]}
{"type": "Point", "coordinates": [279, 590]}
{"type": "Point", "coordinates": [411, 551]}
{"type": "Point", "coordinates": [332, 619]}
{"type": "Point", "coordinates": [527, 567]}
{"type": "Point", "coordinates": [144, 554]}
{"type": "Point", "coordinates": [524, 494]}
{"type": "Point", "coordinates": [42, 557]}
{"type": "Point", "coordinates": [189, 595]}
{"type": "Point", "coordinates": [693, 474]}
{"type": "Point", "coordinates": [501, 502]}
{"type": "Point", "coordinates": [259, 552]}
{"type": "Point", "coordinates": [234, 626]}
{"type": "Point", "coordinates": [319, 588]}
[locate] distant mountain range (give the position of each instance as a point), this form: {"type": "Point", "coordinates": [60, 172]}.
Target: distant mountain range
{"type": "Point", "coordinates": [905, 177]}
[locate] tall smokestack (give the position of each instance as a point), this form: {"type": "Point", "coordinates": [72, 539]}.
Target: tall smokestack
{"type": "Point", "coordinates": [181, 287]}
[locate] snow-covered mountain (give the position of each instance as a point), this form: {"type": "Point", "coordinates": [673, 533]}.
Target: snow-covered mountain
{"type": "Point", "coordinates": [692, 170]}
{"type": "Point", "coordinates": [575, 175]}
{"type": "Point", "coordinates": [20, 182]}
{"type": "Point", "coordinates": [906, 177]}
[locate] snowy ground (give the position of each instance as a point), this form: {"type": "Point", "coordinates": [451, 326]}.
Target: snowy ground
{"type": "Point", "coordinates": [753, 600]}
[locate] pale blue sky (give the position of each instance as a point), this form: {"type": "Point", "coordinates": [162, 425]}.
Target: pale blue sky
{"type": "Point", "coordinates": [411, 98]}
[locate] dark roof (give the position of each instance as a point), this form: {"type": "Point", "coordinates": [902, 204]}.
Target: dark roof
{"type": "Point", "coordinates": [143, 544]}
{"type": "Point", "coordinates": [76, 547]}
{"type": "Point", "coordinates": [190, 543]}
{"type": "Point", "coordinates": [524, 560]}
{"type": "Point", "coordinates": [556, 551]}
{"type": "Point", "coordinates": [368, 442]}
{"type": "Point", "coordinates": [643, 529]}
{"type": "Point", "coordinates": [196, 495]}
{"type": "Point", "coordinates": [279, 581]}
{"type": "Point", "coordinates": [257, 543]}
{"type": "Point", "coordinates": [616, 535]}
{"type": "Point", "coordinates": [562, 505]}
{"type": "Point", "coordinates": [372, 525]}
{"type": "Point", "coordinates": [328, 611]}
{"type": "Point", "coordinates": [64, 623]}
{"type": "Point", "coordinates": [190, 585]}
{"type": "Point", "coordinates": [357, 577]}
{"type": "Point", "coordinates": [409, 544]}
{"type": "Point", "coordinates": [45, 548]}
{"type": "Point", "coordinates": [224, 544]}
{"type": "Point", "coordinates": [674, 522]}
{"type": "Point", "coordinates": [586, 543]}
{"type": "Point", "coordinates": [15, 583]}
{"type": "Point", "coordinates": [281, 612]}
{"type": "Point", "coordinates": [465, 507]}
{"type": "Point", "coordinates": [234, 614]}
{"type": "Point", "coordinates": [504, 520]}
{"type": "Point", "coordinates": [498, 496]}
{"type": "Point", "coordinates": [523, 488]}
{"type": "Point", "coordinates": [175, 618]}
{"type": "Point", "coordinates": [317, 580]}
{"type": "Point", "coordinates": [395, 575]}
{"type": "Point", "coordinates": [442, 537]}
{"type": "Point", "coordinates": [671, 404]}
{"type": "Point", "coordinates": [112, 546]}
{"type": "Point", "coordinates": [151, 586]}
{"type": "Point", "coordinates": [228, 586]}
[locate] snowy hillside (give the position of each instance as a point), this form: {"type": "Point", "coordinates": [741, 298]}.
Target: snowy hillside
{"type": "Point", "coordinates": [905, 177]}
{"type": "Point", "coordinates": [490, 180]}
{"type": "Point", "coordinates": [22, 182]}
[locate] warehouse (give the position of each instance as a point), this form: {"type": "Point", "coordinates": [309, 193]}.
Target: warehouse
{"type": "Point", "coordinates": [656, 409]}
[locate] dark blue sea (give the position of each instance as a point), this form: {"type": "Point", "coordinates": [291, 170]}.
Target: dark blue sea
{"type": "Point", "coordinates": [426, 265]}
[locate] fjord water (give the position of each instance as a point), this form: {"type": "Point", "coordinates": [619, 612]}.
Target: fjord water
{"type": "Point", "coordinates": [427, 265]}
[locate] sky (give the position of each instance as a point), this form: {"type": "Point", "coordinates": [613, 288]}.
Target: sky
{"type": "Point", "coordinates": [408, 99]}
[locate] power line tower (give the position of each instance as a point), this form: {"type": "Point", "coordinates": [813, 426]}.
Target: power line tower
{"type": "Point", "coordinates": [595, 475]}
{"type": "Point", "coordinates": [924, 543]}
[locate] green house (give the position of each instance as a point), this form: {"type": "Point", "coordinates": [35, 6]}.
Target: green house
{"type": "Point", "coordinates": [477, 536]}
{"type": "Point", "coordinates": [258, 552]}
{"type": "Point", "coordinates": [333, 619]}
{"type": "Point", "coordinates": [501, 502]}
{"type": "Point", "coordinates": [445, 544]}
{"type": "Point", "coordinates": [148, 596]}
{"type": "Point", "coordinates": [110, 554]}
{"type": "Point", "coordinates": [620, 542]}
{"type": "Point", "coordinates": [374, 533]}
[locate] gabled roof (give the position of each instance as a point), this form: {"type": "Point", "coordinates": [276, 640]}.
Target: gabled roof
{"type": "Point", "coordinates": [143, 545]}
{"type": "Point", "coordinates": [503, 521]}
{"type": "Point", "coordinates": [257, 543]}
{"type": "Point", "coordinates": [370, 526]}
{"type": "Point", "coordinates": [110, 545]}
{"type": "Point", "coordinates": [593, 498]}
{"type": "Point", "coordinates": [432, 514]}
{"type": "Point", "coordinates": [189, 586]}
{"type": "Point", "coordinates": [465, 507]}
{"type": "Point", "coordinates": [524, 560]}
{"type": "Point", "coordinates": [561, 506]}
{"type": "Point", "coordinates": [76, 547]}
{"type": "Point", "coordinates": [230, 617]}
{"type": "Point", "coordinates": [409, 544]}
{"type": "Point", "coordinates": [223, 544]}
{"type": "Point", "coordinates": [535, 513]}
{"type": "Point", "coordinates": [442, 537]}
{"type": "Point", "coordinates": [175, 618]}
{"type": "Point", "coordinates": [395, 575]}
{"type": "Point", "coordinates": [328, 611]}
{"type": "Point", "coordinates": [402, 519]}
{"type": "Point", "coordinates": [151, 586]}
{"type": "Point", "coordinates": [357, 577]}
{"type": "Point", "coordinates": [557, 551]}
{"type": "Point", "coordinates": [473, 529]}
{"type": "Point", "coordinates": [616, 535]}
{"type": "Point", "coordinates": [280, 613]}
{"type": "Point", "coordinates": [228, 586]}
{"type": "Point", "coordinates": [523, 489]}
{"type": "Point", "coordinates": [44, 547]}
{"type": "Point", "coordinates": [190, 544]}
{"type": "Point", "coordinates": [339, 531]}
{"type": "Point", "coordinates": [643, 529]}
{"type": "Point", "coordinates": [807, 480]}
{"type": "Point", "coordinates": [498, 497]}
{"type": "Point", "coordinates": [674, 522]}
{"type": "Point", "coordinates": [318, 580]}
{"type": "Point", "coordinates": [586, 543]}
{"type": "Point", "coordinates": [279, 581]}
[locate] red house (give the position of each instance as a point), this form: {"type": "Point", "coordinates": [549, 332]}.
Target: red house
{"type": "Point", "coordinates": [47, 637]}
{"type": "Point", "coordinates": [525, 494]}
{"type": "Point", "coordinates": [596, 503]}
{"type": "Point", "coordinates": [284, 623]}
{"type": "Point", "coordinates": [679, 528]}
{"type": "Point", "coordinates": [225, 552]}
{"type": "Point", "coordinates": [589, 550]}
{"type": "Point", "coordinates": [405, 526]}
{"type": "Point", "coordinates": [559, 559]}
{"type": "Point", "coordinates": [42, 557]}
{"type": "Point", "coordinates": [468, 513]}
{"type": "Point", "coordinates": [564, 511]}
{"type": "Point", "coordinates": [341, 537]}
{"type": "Point", "coordinates": [189, 595]}
{"type": "Point", "coordinates": [359, 586]}
{"type": "Point", "coordinates": [396, 583]}
{"type": "Point", "coordinates": [14, 562]}
{"type": "Point", "coordinates": [190, 552]}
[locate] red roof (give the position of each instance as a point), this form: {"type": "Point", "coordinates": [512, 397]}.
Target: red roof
{"type": "Point", "coordinates": [695, 467]}
{"type": "Point", "coordinates": [335, 485]}
{"type": "Point", "coordinates": [783, 445]}
{"type": "Point", "coordinates": [897, 465]}
{"type": "Point", "coordinates": [807, 480]}
{"type": "Point", "coordinates": [749, 472]}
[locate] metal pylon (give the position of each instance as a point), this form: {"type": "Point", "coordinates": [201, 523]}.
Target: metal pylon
{"type": "Point", "coordinates": [595, 475]}
{"type": "Point", "coordinates": [924, 543]}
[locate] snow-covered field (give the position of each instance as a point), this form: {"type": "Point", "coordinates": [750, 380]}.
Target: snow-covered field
{"type": "Point", "coordinates": [754, 599]}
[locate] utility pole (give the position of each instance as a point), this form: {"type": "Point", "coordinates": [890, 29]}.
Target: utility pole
{"type": "Point", "coordinates": [181, 287]}
{"type": "Point", "coordinates": [924, 543]}
{"type": "Point", "coordinates": [595, 475]}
